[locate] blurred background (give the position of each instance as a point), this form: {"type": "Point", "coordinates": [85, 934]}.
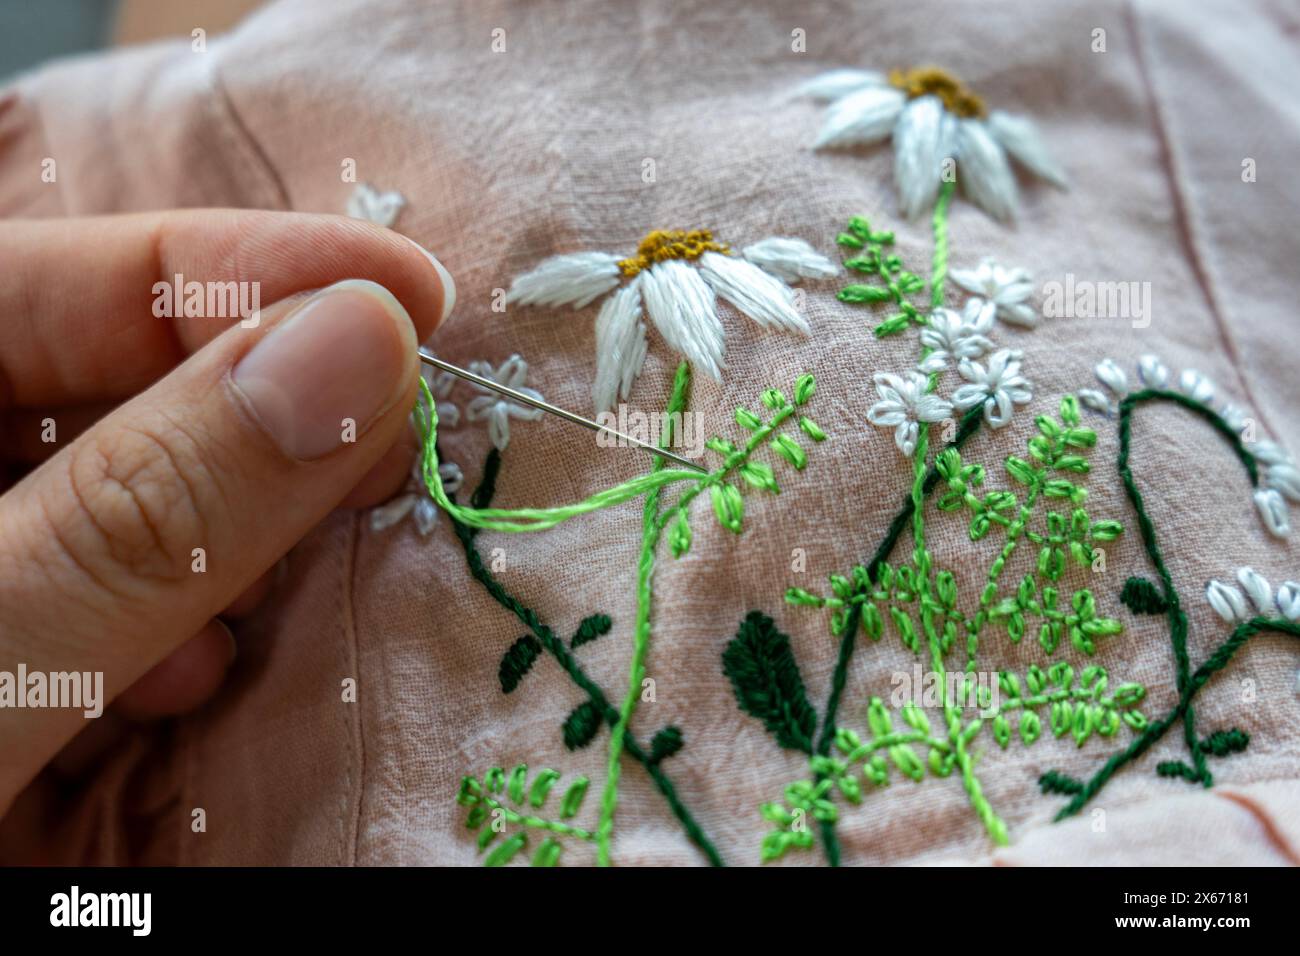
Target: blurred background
{"type": "Point", "coordinates": [33, 31]}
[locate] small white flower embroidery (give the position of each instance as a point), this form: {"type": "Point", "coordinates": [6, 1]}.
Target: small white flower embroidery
{"type": "Point", "coordinates": [1231, 605]}
{"type": "Point", "coordinates": [370, 204]}
{"type": "Point", "coordinates": [1000, 387]}
{"type": "Point", "coordinates": [952, 337]}
{"type": "Point", "coordinates": [496, 409]}
{"type": "Point", "coordinates": [932, 117]}
{"type": "Point", "coordinates": [903, 403]}
{"type": "Point", "coordinates": [676, 277]}
{"type": "Point", "coordinates": [1008, 289]}
{"type": "Point", "coordinates": [414, 500]}
{"type": "Point", "coordinates": [1279, 475]}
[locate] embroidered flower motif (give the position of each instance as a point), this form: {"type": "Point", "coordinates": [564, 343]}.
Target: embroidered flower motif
{"type": "Point", "coordinates": [903, 403]}
{"type": "Point", "coordinates": [1008, 289]}
{"type": "Point", "coordinates": [1230, 604]}
{"type": "Point", "coordinates": [370, 204]}
{"type": "Point", "coordinates": [1000, 387]}
{"type": "Point", "coordinates": [676, 277]}
{"type": "Point", "coordinates": [952, 337]}
{"type": "Point", "coordinates": [1279, 476]}
{"type": "Point", "coordinates": [932, 117]}
{"type": "Point", "coordinates": [414, 500]}
{"type": "Point", "coordinates": [497, 409]}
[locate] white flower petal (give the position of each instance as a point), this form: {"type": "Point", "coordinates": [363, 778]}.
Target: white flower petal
{"type": "Point", "coordinates": [425, 514]}
{"type": "Point", "coordinates": [1288, 600]}
{"type": "Point", "coordinates": [682, 307]}
{"type": "Point", "coordinates": [865, 116]}
{"type": "Point", "coordinates": [790, 259]}
{"type": "Point", "coordinates": [886, 414]}
{"type": "Point", "coordinates": [1270, 452]}
{"type": "Point", "coordinates": [1285, 479]}
{"type": "Point", "coordinates": [1019, 314]}
{"type": "Point", "coordinates": [838, 83]}
{"type": "Point", "coordinates": [370, 204]}
{"type": "Point", "coordinates": [1112, 376]}
{"type": "Point", "coordinates": [1153, 372]}
{"type": "Point", "coordinates": [449, 474]}
{"type": "Point", "coordinates": [1097, 401]}
{"type": "Point", "coordinates": [978, 315]}
{"type": "Point", "coordinates": [932, 408]}
{"type": "Point", "coordinates": [1227, 602]}
{"type": "Point", "coordinates": [1272, 510]}
{"type": "Point", "coordinates": [918, 153]}
{"type": "Point", "coordinates": [391, 512]}
{"type": "Point", "coordinates": [1019, 137]}
{"type": "Point", "coordinates": [620, 346]}
{"type": "Point", "coordinates": [1196, 385]}
{"type": "Point", "coordinates": [575, 279]}
{"type": "Point", "coordinates": [498, 420]}
{"type": "Point", "coordinates": [983, 171]}
{"type": "Point", "coordinates": [968, 396]}
{"type": "Point", "coordinates": [758, 294]}
{"type": "Point", "coordinates": [905, 437]}
{"type": "Point", "coordinates": [1257, 589]}
{"type": "Point", "coordinates": [481, 406]}
{"type": "Point", "coordinates": [978, 281]}
{"type": "Point", "coordinates": [997, 409]}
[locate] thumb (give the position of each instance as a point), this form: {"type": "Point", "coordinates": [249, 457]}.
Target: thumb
{"type": "Point", "coordinates": [124, 544]}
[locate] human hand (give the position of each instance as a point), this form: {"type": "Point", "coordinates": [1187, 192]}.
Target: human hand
{"type": "Point", "coordinates": [177, 434]}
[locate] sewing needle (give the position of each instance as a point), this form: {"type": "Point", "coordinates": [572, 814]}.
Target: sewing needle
{"type": "Point", "coordinates": [528, 400]}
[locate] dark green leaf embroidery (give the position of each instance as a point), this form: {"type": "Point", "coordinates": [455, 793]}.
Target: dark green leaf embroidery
{"type": "Point", "coordinates": [767, 684]}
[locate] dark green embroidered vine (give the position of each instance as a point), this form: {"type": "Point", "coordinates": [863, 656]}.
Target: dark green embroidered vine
{"type": "Point", "coordinates": [600, 704]}
{"type": "Point", "coordinates": [1188, 683]}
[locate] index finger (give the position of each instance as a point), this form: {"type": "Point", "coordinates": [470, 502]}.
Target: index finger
{"type": "Point", "coordinates": [77, 297]}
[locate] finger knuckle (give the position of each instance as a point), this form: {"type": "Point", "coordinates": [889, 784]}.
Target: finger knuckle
{"type": "Point", "coordinates": [140, 491]}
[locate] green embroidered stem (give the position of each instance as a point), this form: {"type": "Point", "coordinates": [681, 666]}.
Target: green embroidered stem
{"type": "Point", "coordinates": [939, 261]}
{"type": "Point", "coordinates": [555, 646]}
{"type": "Point", "coordinates": [922, 558]}
{"type": "Point", "coordinates": [650, 533]}
{"type": "Point", "coordinates": [925, 481]}
{"type": "Point", "coordinates": [1173, 608]}
{"type": "Point", "coordinates": [552, 826]}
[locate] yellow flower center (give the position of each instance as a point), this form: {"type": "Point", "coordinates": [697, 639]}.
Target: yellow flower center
{"type": "Point", "coordinates": [932, 81]}
{"type": "Point", "coordinates": [664, 244]}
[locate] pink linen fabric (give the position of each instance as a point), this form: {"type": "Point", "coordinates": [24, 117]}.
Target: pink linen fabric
{"type": "Point", "coordinates": [508, 157]}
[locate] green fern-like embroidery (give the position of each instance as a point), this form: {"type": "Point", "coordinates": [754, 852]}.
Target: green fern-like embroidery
{"type": "Point", "coordinates": [502, 805]}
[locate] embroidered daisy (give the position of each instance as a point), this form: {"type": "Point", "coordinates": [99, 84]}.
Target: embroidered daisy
{"type": "Point", "coordinates": [497, 409]}
{"type": "Point", "coordinates": [414, 500]}
{"type": "Point", "coordinates": [1007, 289]}
{"type": "Point", "coordinates": [932, 117]}
{"type": "Point", "coordinates": [370, 204]}
{"type": "Point", "coordinates": [952, 337]}
{"type": "Point", "coordinates": [676, 277]}
{"type": "Point", "coordinates": [1000, 387]}
{"type": "Point", "coordinates": [1230, 604]}
{"type": "Point", "coordinates": [903, 403]}
{"type": "Point", "coordinates": [1279, 479]}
